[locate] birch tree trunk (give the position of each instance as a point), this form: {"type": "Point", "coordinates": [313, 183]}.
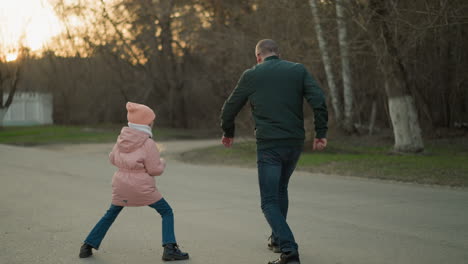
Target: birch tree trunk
{"type": "Point", "coordinates": [372, 118]}
{"type": "Point", "coordinates": [326, 62]}
{"type": "Point", "coordinates": [345, 67]}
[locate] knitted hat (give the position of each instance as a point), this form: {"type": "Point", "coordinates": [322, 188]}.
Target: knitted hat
{"type": "Point", "coordinates": [139, 114]}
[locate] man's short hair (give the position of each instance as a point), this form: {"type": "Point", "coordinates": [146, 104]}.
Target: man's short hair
{"type": "Point", "coordinates": [267, 46]}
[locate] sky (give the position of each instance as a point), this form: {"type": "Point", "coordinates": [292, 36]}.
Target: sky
{"type": "Point", "coordinates": [33, 19]}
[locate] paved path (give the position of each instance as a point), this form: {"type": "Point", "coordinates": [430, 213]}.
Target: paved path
{"type": "Point", "coordinates": [51, 198]}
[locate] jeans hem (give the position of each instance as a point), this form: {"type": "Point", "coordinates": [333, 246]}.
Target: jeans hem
{"type": "Point", "coordinates": [170, 242]}
{"type": "Point", "coordinates": [289, 249]}
{"type": "Point", "coordinates": [96, 248]}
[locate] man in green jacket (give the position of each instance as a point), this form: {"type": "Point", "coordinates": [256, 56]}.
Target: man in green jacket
{"type": "Point", "coordinates": [275, 89]}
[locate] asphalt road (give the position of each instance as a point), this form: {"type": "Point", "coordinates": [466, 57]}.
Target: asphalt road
{"type": "Point", "coordinates": [51, 198]}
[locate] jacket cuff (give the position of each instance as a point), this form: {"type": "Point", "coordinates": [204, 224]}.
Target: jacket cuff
{"type": "Point", "coordinates": [228, 135]}
{"type": "Point", "coordinates": [321, 133]}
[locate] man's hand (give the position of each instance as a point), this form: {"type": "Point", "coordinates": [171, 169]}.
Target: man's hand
{"type": "Point", "coordinates": [319, 143]}
{"type": "Point", "coordinates": [227, 142]}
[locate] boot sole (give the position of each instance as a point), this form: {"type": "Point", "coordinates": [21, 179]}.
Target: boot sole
{"type": "Point", "coordinates": [291, 262]}
{"type": "Point", "coordinates": [85, 255]}
{"type": "Point", "coordinates": [174, 259]}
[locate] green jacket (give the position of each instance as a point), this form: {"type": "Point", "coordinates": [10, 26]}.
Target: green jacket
{"type": "Point", "coordinates": [275, 89]}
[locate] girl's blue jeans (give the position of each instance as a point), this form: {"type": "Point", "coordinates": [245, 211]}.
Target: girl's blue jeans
{"type": "Point", "coordinates": [99, 231]}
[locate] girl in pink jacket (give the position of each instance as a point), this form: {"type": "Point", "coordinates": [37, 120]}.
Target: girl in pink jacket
{"type": "Point", "coordinates": [137, 158]}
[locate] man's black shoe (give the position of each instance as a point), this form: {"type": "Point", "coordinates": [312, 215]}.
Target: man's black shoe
{"type": "Point", "coordinates": [172, 252]}
{"type": "Point", "coordinates": [287, 258]}
{"type": "Point", "coordinates": [86, 251]}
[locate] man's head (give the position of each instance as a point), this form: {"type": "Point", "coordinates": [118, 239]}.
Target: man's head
{"type": "Point", "coordinates": [266, 48]}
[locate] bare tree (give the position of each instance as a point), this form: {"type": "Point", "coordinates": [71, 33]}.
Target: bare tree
{"type": "Point", "coordinates": [180, 55]}
{"type": "Point", "coordinates": [140, 34]}
{"type": "Point", "coordinates": [10, 76]}
{"type": "Point", "coordinates": [403, 114]}
{"type": "Point", "coordinates": [348, 98]}
{"type": "Point", "coordinates": [326, 62]}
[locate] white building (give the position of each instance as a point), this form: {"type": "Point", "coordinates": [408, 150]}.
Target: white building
{"type": "Point", "coordinates": [29, 108]}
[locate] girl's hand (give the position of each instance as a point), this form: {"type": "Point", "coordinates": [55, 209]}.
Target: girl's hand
{"type": "Point", "coordinates": [163, 162]}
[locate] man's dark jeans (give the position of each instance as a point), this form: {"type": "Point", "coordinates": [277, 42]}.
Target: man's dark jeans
{"type": "Point", "coordinates": [275, 167]}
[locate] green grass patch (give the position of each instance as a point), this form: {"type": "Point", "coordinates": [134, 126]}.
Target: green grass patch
{"type": "Point", "coordinates": [444, 162]}
{"type": "Point", "coordinates": [56, 134]}
{"type": "Point", "coordinates": [38, 135]}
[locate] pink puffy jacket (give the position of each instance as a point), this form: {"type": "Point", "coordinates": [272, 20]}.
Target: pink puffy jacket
{"type": "Point", "coordinates": [137, 159]}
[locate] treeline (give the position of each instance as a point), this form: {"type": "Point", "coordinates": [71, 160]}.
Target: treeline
{"type": "Point", "coordinates": [392, 63]}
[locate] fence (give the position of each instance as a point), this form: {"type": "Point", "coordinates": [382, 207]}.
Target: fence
{"type": "Point", "coordinates": [29, 109]}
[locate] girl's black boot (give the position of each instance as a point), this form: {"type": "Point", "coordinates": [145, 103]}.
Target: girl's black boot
{"type": "Point", "coordinates": [86, 251]}
{"type": "Point", "coordinates": [172, 252]}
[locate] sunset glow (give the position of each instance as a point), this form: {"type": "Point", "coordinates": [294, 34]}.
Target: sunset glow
{"type": "Point", "coordinates": [11, 56]}
{"type": "Point", "coordinates": [31, 23]}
